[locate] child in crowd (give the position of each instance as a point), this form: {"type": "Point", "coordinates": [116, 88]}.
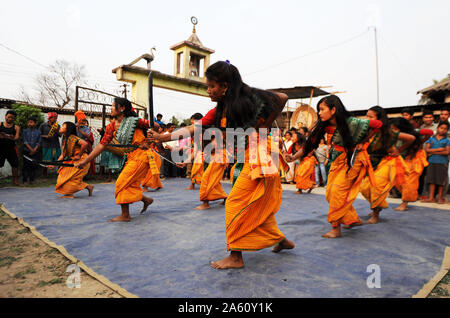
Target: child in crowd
{"type": "Point", "coordinates": [438, 148]}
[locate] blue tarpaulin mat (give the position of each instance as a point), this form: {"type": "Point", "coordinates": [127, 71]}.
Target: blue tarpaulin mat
{"type": "Point", "coordinates": [166, 251]}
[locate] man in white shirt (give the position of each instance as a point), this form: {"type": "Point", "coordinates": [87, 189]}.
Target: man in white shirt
{"type": "Point", "coordinates": [170, 171]}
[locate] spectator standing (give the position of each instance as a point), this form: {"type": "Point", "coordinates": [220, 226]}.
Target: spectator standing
{"type": "Point", "coordinates": [408, 114]}
{"type": "Point", "coordinates": [438, 147]}
{"type": "Point", "coordinates": [85, 133]}
{"type": "Point", "coordinates": [158, 119]}
{"type": "Point", "coordinates": [31, 144]}
{"type": "Point", "coordinates": [170, 170]}
{"type": "Point", "coordinates": [322, 159]}
{"type": "Point", "coordinates": [9, 134]}
{"type": "Point", "coordinates": [428, 123]}
{"type": "Point", "coordinates": [51, 147]}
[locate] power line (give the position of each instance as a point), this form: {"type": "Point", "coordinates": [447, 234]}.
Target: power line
{"type": "Point", "coordinates": [42, 65]}
{"type": "Point", "coordinates": [18, 53]}
{"type": "Point", "coordinates": [310, 53]}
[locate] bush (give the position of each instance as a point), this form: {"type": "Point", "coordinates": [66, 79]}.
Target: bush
{"type": "Point", "coordinates": [24, 112]}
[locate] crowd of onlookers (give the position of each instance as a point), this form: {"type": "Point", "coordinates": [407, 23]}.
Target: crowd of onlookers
{"type": "Point", "coordinates": [43, 143]}
{"type": "Point", "coordinates": [294, 139]}
{"type": "Point", "coordinates": [37, 143]}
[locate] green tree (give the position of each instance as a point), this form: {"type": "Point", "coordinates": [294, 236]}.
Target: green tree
{"type": "Point", "coordinates": [26, 111]}
{"type": "Point", "coordinates": [175, 121]}
{"type": "Point", "coordinates": [187, 121]}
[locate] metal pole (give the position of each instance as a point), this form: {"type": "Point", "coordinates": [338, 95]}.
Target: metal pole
{"type": "Point", "coordinates": [104, 116]}
{"type": "Point", "coordinates": [76, 98]}
{"type": "Point", "coordinates": [376, 61]}
{"type": "Point", "coordinates": [150, 99]}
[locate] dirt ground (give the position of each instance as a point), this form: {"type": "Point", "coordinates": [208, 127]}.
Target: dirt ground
{"type": "Point", "coordinates": [30, 268]}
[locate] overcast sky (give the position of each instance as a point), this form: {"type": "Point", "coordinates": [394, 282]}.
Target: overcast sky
{"type": "Point", "coordinates": [273, 44]}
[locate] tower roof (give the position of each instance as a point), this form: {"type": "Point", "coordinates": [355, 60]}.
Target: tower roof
{"type": "Point", "coordinates": [192, 41]}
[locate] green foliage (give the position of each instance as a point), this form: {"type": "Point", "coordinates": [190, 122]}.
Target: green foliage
{"type": "Point", "coordinates": [187, 121]}
{"type": "Point", "coordinates": [175, 121]}
{"type": "Point", "coordinates": [24, 112]}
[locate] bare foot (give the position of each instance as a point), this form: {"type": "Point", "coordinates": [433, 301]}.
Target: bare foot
{"type": "Point", "coordinates": [223, 202]}
{"type": "Point", "coordinates": [120, 218]}
{"type": "Point", "coordinates": [191, 187]}
{"type": "Point", "coordinates": [145, 189]}
{"type": "Point", "coordinates": [283, 245]}
{"type": "Point", "coordinates": [441, 201]}
{"type": "Point", "coordinates": [147, 202]}
{"type": "Point", "coordinates": [68, 196]}
{"type": "Point", "coordinates": [90, 189]}
{"type": "Point", "coordinates": [309, 191]}
{"type": "Point", "coordinates": [229, 262]}
{"type": "Point", "coordinates": [203, 206]}
{"type": "Point", "coordinates": [374, 216]}
{"type": "Point", "coordinates": [349, 226]}
{"type": "Point", "coordinates": [299, 192]}
{"type": "Point", "coordinates": [334, 233]}
{"type": "Point", "coordinates": [428, 200]}
{"type": "Point", "coordinates": [402, 207]}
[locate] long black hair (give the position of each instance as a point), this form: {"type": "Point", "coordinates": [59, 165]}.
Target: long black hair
{"type": "Point", "coordinates": [405, 127]}
{"type": "Point", "coordinates": [386, 136]}
{"type": "Point", "coordinates": [71, 129]}
{"type": "Point", "coordinates": [318, 131]}
{"type": "Point", "coordinates": [128, 112]}
{"type": "Point", "coordinates": [301, 140]}
{"type": "Point", "coordinates": [240, 102]}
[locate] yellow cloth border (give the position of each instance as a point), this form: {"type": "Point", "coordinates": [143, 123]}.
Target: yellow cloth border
{"type": "Point", "coordinates": [428, 287]}
{"type": "Point", "coordinates": [102, 279]}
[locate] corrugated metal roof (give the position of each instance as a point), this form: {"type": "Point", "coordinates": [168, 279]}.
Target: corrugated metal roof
{"type": "Point", "coordinates": [441, 86]}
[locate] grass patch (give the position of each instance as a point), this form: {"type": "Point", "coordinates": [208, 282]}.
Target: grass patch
{"type": "Point", "coordinates": [50, 251]}
{"type": "Point", "coordinates": [6, 261]}
{"type": "Point", "coordinates": [12, 238]}
{"type": "Point", "coordinates": [3, 234]}
{"type": "Point", "coordinates": [441, 290]}
{"type": "Point", "coordinates": [16, 250]}
{"type": "Point", "coordinates": [50, 282]}
{"type": "Point", "coordinates": [23, 231]}
{"type": "Point", "coordinates": [22, 274]}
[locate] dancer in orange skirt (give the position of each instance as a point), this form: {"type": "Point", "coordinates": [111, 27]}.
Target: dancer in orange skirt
{"type": "Point", "coordinates": [349, 159]}
{"type": "Point", "coordinates": [415, 159]}
{"type": "Point", "coordinates": [389, 166]}
{"type": "Point", "coordinates": [305, 170]}
{"type": "Point", "coordinates": [152, 179]}
{"type": "Point", "coordinates": [70, 179]}
{"type": "Point", "coordinates": [126, 129]}
{"type": "Point", "coordinates": [255, 197]}
{"type": "Point", "coordinates": [210, 187]}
